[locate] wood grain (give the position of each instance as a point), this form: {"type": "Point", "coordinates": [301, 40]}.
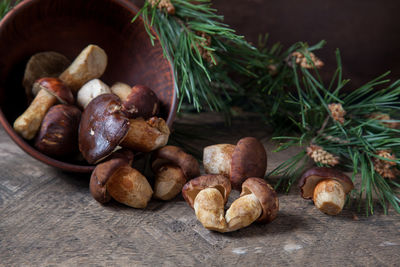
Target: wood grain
{"type": "Point", "coordinates": [48, 218]}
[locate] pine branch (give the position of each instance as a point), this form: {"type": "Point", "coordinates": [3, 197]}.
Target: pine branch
{"type": "Point", "coordinates": [6, 6]}
{"type": "Point", "coordinates": [368, 130]}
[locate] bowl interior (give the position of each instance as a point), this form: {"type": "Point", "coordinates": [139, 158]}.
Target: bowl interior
{"type": "Point", "coordinates": [68, 26]}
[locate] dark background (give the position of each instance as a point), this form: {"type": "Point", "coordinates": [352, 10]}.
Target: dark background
{"type": "Point", "coordinates": [367, 32]}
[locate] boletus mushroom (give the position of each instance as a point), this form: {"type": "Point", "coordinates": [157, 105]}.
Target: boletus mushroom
{"type": "Point", "coordinates": [58, 134]}
{"type": "Point", "coordinates": [327, 187]}
{"type": "Point", "coordinates": [207, 195]}
{"type": "Point", "coordinates": [247, 158]}
{"type": "Point", "coordinates": [258, 201]}
{"type": "Point", "coordinates": [91, 90]}
{"type": "Point", "coordinates": [104, 127]}
{"type": "Point", "coordinates": [116, 179]}
{"type": "Point", "coordinates": [138, 102]}
{"type": "Point", "coordinates": [172, 168]}
{"type": "Point", "coordinates": [50, 92]}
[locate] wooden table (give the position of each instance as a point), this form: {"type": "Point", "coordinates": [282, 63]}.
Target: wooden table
{"type": "Point", "coordinates": [48, 217]}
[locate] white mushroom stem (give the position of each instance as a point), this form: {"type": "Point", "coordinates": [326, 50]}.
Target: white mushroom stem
{"type": "Point", "coordinates": [329, 197]}
{"type": "Point", "coordinates": [130, 187]}
{"type": "Point", "coordinates": [243, 212]}
{"type": "Point", "coordinates": [169, 182]}
{"type": "Point", "coordinates": [28, 124]}
{"type": "Point", "coordinates": [90, 64]}
{"type": "Point", "coordinates": [122, 90]}
{"type": "Point", "coordinates": [209, 209]}
{"type": "Point", "coordinates": [91, 90]}
{"type": "Point", "coordinates": [217, 159]}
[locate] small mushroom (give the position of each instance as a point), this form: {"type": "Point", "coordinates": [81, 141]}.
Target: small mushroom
{"type": "Point", "coordinates": [90, 64]}
{"type": "Point", "coordinates": [104, 127]}
{"type": "Point", "coordinates": [91, 90]}
{"type": "Point", "coordinates": [50, 92]}
{"type": "Point", "coordinates": [173, 167]}
{"type": "Point", "coordinates": [116, 179]}
{"type": "Point", "coordinates": [58, 134]}
{"type": "Point", "coordinates": [327, 187]}
{"type": "Point", "coordinates": [257, 202]}
{"type": "Point", "coordinates": [40, 65]}
{"type": "Point", "coordinates": [207, 195]}
{"type": "Point", "coordinates": [247, 159]}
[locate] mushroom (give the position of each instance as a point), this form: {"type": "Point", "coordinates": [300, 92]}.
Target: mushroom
{"type": "Point", "coordinates": [173, 167]}
{"type": "Point", "coordinates": [58, 134]}
{"type": "Point", "coordinates": [116, 179]}
{"type": "Point", "coordinates": [247, 159]}
{"type": "Point", "coordinates": [207, 195]}
{"type": "Point", "coordinates": [91, 90]}
{"type": "Point", "coordinates": [43, 64]}
{"type": "Point", "coordinates": [257, 202]}
{"type": "Point", "coordinates": [327, 187]}
{"type": "Point", "coordinates": [104, 127]}
{"type": "Point", "coordinates": [50, 91]}
{"type": "Point", "coordinates": [90, 64]}
{"type": "Point", "coordinates": [138, 102]}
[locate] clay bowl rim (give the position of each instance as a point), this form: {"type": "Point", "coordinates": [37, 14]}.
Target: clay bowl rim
{"type": "Point", "coordinates": [69, 167]}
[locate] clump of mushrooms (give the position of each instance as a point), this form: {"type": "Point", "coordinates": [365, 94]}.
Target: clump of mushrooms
{"type": "Point", "coordinates": [327, 187]}
{"type": "Point", "coordinates": [172, 168]}
{"type": "Point", "coordinates": [238, 162]}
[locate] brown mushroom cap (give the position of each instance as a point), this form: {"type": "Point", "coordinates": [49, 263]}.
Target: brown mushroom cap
{"type": "Point", "coordinates": [313, 176]}
{"type": "Point", "coordinates": [101, 174]}
{"type": "Point", "coordinates": [141, 102]}
{"type": "Point", "coordinates": [249, 159]}
{"type": "Point", "coordinates": [58, 134]}
{"type": "Point", "coordinates": [122, 153]}
{"type": "Point", "coordinates": [265, 194]}
{"type": "Point", "coordinates": [55, 87]}
{"type": "Point", "coordinates": [175, 155]}
{"type": "Point", "coordinates": [194, 186]}
{"type": "Point", "coordinates": [43, 64]}
{"type": "Point", "coordinates": [103, 126]}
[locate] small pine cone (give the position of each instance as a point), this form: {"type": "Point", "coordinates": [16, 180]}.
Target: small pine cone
{"type": "Point", "coordinates": [387, 169]}
{"type": "Point", "coordinates": [304, 63]}
{"type": "Point", "coordinates": [163, 4]}
{"type": "Point", "coordinates": [318, 154]}
{"type": "Point", "coordinates": [205, 54]}
{"type": "Point", "coordinates": [337, 112]}
{"type": "Point", "coordinates": [384, 117]}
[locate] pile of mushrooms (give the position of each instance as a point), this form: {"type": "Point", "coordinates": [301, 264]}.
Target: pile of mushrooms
{"type": "Point", "coordinates": [72, 111]}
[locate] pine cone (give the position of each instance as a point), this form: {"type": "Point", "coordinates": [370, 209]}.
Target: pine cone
{"type": "Point", "coordinates": [385, 117]}
{"type": "Point", "coordinates": [163, 4]}
{"type": "Point", "coordinates": [318, 154]}
{"type": "Point", "coordinates": [304, 63]}
{"type": "Point", "coordinates": [387, 169]}
{"type": "Point", "coordinates": [337, 112]}
{"type": "Point", "coordinates": [205, 54]}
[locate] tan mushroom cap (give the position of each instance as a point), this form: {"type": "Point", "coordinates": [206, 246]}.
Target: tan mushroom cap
{"type": "Point", "coordinates": [313, 176]}
{"type": "Point", "coordinates": [101, 174]}
{"type": "Point", "coordinates": [175, 155]}
{"type": "Point", "coordinates": [265, 194]}
{"type": "Point", "coordinates": [55, 87]}
{"type": "Point", "coordinates": [249, 159]}
{"type": "Point", "coordinates": [194, 186]}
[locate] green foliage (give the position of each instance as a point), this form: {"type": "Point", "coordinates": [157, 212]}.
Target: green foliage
{"type": "Point", "coordinates": [356, 141]}
{"type": "Point", "coordinates": [5, 6]}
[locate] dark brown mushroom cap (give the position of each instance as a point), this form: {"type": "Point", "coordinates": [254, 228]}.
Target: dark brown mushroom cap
{"type": "Point", "coordinates": [265, 194]}
{"type": "Point", "coordinates": [43, 64]}
{"type": "Point", "coordinates": [58, 134]}
{"type": "Point", "coordinates": [175, 155]}
{"type": "Point", "coordinates": [141, 102]}
{"type": "Point", "coordinates": [100, 175]}
{"type": "Point", "coordinates": [55, 87]}
{"type": "Point", "coordinates": [103, 126]}
{"type": "Point", "coordinates": [313, 176]}
{"type": "Point", "coordinates": [194, 186]}
{"type": "Point", "coordinates": [122, 153]}
{"type": "Point", "coordinates": [249, 159]}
